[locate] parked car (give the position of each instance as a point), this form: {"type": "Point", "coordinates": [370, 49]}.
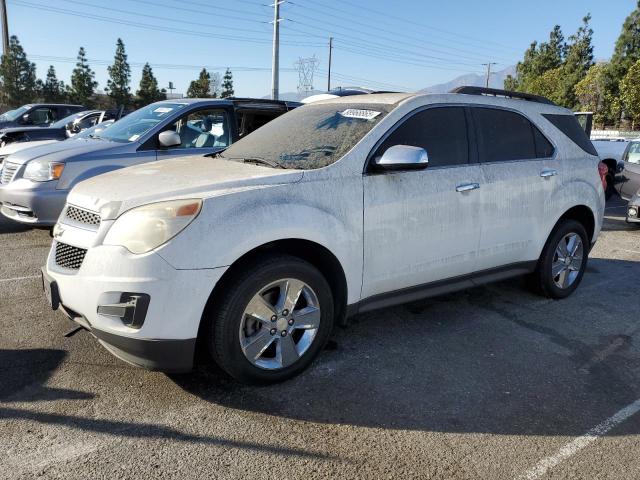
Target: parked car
{"type": "Point", "coordinates": [61, 130]}
{"type": "Point", "coordinates": [611, 152]}
{"type": "Point", "coordinates": [15, 147]}
{"type": "Point", "coordinates": [339, 207]}
{"type": "Point", "coordinates": [339, 92]}
{"type": "Point", "coordinates": [37, 114]}
{"type": "Point", "coordinates": [34, 183]}
{"type": "Point", "coordinates": [628, 182]}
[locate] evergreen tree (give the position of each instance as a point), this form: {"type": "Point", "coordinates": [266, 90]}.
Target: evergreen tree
{"type": "Point", "coordinates": [149, 92]}
{"type": "Point", "coordinates": [200, 88]}
{"type": "Point", "coordinates": [17, 76]}
{"type": "Point", "coordinates": [119, 77]}
{"type": "Point", "coordinates": [52, 90]}
{"type": "Point", "coordinates": [630, 93]}
{"type": "Point", "coordinates": [83, 84]}
{"type": "Point", "coordinates": [578, 61]}
{"type": "Point", "coordinates": [626, 53]}
{"type": "Point", "coordinates": [227, 85]}
{"type": "Point", "coordinates": [591, 92]}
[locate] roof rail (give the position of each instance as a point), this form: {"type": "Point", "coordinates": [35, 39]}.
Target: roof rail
{"type": "Point", "coordinates": [468, 90]}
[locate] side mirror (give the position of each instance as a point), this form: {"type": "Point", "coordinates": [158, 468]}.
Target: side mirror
{"type": "Point", "coordinates": [26, 118]}
{"type": "Point", "coordinates": [169, 138]}
{"type": "Point", "coordinates": [403, 157]}
{"type": "Point", "coordinates": [73, 127]}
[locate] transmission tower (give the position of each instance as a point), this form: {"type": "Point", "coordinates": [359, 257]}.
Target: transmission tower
{"type": "Point", "coordinates": [306, 69]}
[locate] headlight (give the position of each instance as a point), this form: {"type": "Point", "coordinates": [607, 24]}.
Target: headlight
{"type": "Point", "coordinates": [43, 171]}
{"type": "Point", "coordinates": [632, 212]}
{"type": "Point", "coordinates": [142, 229]}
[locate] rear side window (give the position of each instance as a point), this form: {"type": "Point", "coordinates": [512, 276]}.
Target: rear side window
{"type": "Point", "coordinates": [506, 136]}
{"type": "Point", "coordinates": [441, 131]}
{"type": "Point", "coordinates": [568, 125]}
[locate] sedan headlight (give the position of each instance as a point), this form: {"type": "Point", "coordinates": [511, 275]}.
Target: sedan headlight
{"type": "Point", "coordinates": [142, 229]}
{"type": "Point", "coordinates": [632, 212]}
{"type": "Point", "coordinates": [43, 171]}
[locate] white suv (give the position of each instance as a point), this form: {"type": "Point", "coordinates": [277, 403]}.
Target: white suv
{"type": "Point", "coordinates": [335, 208]}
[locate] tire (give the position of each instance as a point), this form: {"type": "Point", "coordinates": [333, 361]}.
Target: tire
{"type": "Point", "coordinates": [543, 281]}
{"type": "Point", "coordinates": [232, 331]}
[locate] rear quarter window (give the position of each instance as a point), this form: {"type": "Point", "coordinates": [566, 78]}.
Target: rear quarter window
{"type": "Point", "coordinates": [568, 125]}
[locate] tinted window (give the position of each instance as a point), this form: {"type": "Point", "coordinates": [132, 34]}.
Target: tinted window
{"type": "Point", "coordinates": [442, 132]}
{"type": "Point", "coordinates": [544, 149]}
{"type": "Point", "coordinates": [503, 135]}
{"type": "Point", "coordinates": [568, 125]}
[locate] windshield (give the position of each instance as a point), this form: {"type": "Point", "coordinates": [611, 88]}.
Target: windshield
{"type": "Point", "coordinates": [309, 137]}
{"type": "Point", "coordinates": [136, 124]}
{"type": "Point", "coordinates": [12, 115]}
{"type": "Point", "coordinates": [63, 122]}
{"type": "Point", "coordinates": [633, 154]}
{"type": "Point", "coordinates": [94, 131]}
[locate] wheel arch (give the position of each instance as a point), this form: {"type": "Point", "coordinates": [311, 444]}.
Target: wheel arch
{"type": "Point", "coordinates": [583, 215]}
{"type": "Point", "coordinates": [316, 254]}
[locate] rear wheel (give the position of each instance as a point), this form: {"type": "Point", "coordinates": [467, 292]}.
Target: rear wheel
{"type": "Point", "coordinates": [271, 321]}
{"type": "Point", "coordinates": [563, 261]}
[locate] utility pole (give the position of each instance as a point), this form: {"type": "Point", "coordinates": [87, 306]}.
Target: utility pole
{"type": "Point", "coordinates": [275, 63]}
{"type": "Point", "coordinates": [5, 28]}
{"type": "Point", "coordinates": [329, 75]}
{"type": "Point", "coordinates": [488, 65]}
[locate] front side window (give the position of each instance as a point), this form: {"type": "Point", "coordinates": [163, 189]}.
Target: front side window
{"type": "Point", "coordinates": [42, 116]}
{"type": "Point", "coordinates": [203, 129]}
{"type": "Point", "coordinates": [505, 136]}
{"type": "Point", "coordinates": [441, 131]}
{"type": "Point", "coordinates": [633, 153]}
{"type": "Point", "coordinates": [136, 124]}
{"type": "Point", "coordinates": [309, 137]}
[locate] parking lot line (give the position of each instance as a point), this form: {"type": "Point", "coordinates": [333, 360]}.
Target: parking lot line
{"type": "Point", "coordinates": [581, 442]}
{"type": "Point", "coordinates": [16, 279]}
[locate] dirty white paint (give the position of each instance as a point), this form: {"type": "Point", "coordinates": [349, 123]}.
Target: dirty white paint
{"type": "Point", "coordinates": [580, 443]}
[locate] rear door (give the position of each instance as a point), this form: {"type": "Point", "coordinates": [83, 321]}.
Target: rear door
{"type": "Point", "coordinates": [630, 177]}
{"type": "Point", "coordinates": [422, 226]}
{"type": "Point", "coordinates": [520, 173]}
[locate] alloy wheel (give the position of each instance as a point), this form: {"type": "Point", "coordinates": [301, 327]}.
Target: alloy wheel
{"type": "Point", "coordinates": [567, 260]}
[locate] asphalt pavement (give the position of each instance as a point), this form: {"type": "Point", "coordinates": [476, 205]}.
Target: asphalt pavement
{"type": "Point", "coordinates": [489, 383]}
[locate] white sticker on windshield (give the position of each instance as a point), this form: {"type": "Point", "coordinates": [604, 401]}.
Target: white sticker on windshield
{"type": "Point", "coordinates": [133, 138]}
{"type": "Point", "coordinates": [357, 113]}
{"type": "Point", "coordinates": [162, 110]}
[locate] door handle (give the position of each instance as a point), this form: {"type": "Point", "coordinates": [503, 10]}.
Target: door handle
{"type": "Point", "coordinates": [465, 187]}
{"type": "Point", "coordinates": [548, 173]}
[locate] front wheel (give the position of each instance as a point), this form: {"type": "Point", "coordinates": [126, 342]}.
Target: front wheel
{"type": "Point", "coordinates": [271, 321]}
{"type": "Point", "coordinates": [563, 261]}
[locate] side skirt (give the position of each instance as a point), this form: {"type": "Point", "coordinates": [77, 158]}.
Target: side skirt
{"type": "Point", "coordinates": [441, 287]}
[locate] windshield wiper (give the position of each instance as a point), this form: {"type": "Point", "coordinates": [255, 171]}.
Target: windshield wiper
{"type": "Point", "coordinates": [262, 161]}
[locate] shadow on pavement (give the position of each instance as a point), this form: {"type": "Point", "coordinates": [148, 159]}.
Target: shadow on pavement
{"type": "Point", "coordinates": [493, 359]}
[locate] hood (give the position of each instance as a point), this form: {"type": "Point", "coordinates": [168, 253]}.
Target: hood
{"type": "Point", "coordinates": [18, 146]}
{"type": "Point", "coordinates": [7, 124]}
{"type": "Point", "coordinates": [10, 130]}
{"type": "Point", "coordinates": [183, 177]}
{"type": "Point", "coordinates": [65, 151]}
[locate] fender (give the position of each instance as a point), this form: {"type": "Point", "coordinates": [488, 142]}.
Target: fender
{"type": "Point", "coordinates": [92, 172]}
{"type": "Point", "coordinates": [251, 219]}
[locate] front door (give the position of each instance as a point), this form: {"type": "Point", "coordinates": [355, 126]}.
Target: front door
{"type": "Point", "coordinates": [422, 226]}
{"type": "Point", "coordinates": [201, 132]}
{"type": "Point", "coordinates": [630, 178]}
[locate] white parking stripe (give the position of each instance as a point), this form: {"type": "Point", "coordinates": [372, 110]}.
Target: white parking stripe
{"type": "Point", "coordinates": [16, 279]}
{"type": "Point", "coordinates": [579, 443]}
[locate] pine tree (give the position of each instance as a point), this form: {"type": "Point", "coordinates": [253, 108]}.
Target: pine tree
{"type": "Point", "coordinates": [83, 84]}
{"type": "Point", "coordinates": [626, 53]}
{"type": "Point", "coordinates": [630, 93]}
{"type": "Point", "coordinates": [149, 92]}
{"type": "Point", "coordinates": [119, 77]}
{"type": "Point", "coordinates": [200, 88]}
{"type": "Point", "coordinates": [53, 90]}
{"type": "Point", "coordinates": [227, 85]}
{"type": "Point", "coordinates": [17, 76]}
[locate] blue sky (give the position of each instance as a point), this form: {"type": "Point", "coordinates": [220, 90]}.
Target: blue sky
{"type": "Point", "coordinates": [392, 44]}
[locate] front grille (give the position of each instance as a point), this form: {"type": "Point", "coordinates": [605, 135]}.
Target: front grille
{"type": "Point", "coordinates": [68, 256]}
{"type": "Point", "coordinates": [8, 172]}
{"type": "Point", "coordinates": [83, 216]}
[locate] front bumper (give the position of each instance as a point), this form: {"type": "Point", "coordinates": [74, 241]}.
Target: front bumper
{"type": "Point", "coordinates": [634, 204]}
{"type": "Point", "coordinates": [167, 337]}
{"type": "Point", "coordinates": [32, 203]}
